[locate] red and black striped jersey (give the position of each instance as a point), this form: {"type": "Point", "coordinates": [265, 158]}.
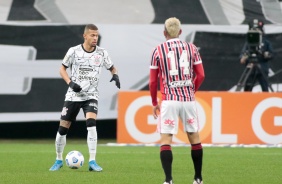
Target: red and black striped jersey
{"type": "Point", "coordinates": [172, 65]}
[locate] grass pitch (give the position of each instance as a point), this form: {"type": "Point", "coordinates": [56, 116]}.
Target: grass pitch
{"type": "Point", "coordinates": [28, 162]}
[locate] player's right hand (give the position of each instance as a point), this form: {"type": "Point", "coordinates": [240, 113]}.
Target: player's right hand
{"type": "Point", "coordinates": [156, 110]}
{"type": "Point", "coordinates": [75, 87]}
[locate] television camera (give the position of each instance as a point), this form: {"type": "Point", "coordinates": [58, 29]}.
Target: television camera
{"type": "Point", "coordinates": [254, 40]}
{"type": "Point", "coordinates": [254, 45]}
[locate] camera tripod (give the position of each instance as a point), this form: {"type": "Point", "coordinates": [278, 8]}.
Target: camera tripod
{"type": "Point", "coordinates": [251, 67]}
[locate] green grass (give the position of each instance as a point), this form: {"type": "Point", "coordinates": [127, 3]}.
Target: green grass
{"type": "Point", "coordinates": [28, 162]}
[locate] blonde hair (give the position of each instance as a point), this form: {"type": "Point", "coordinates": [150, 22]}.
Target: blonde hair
{"type": "Point", "coordinates": [172, 27]}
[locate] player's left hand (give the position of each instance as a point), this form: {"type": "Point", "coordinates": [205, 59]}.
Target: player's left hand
{"type": "Point", "coordinates": [116, 79]}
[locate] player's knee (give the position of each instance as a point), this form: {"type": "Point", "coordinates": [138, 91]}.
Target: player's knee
{"type": "Point", "coordinates": [63, 130]}
{"type": "Point", "coordinates": [90, 122]}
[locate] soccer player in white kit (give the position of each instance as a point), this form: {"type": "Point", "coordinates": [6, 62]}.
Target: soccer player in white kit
{"type": "Point", "coordinates": [177, 67]}
{"type": "Point", "coordinates": [85, 62]}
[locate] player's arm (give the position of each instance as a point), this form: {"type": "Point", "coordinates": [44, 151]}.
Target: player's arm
{"type": "Point", "coordinates": [64, 74]}
{"type": "Point", "coordinates": [113, 70]}
{"type": "Point", "coordinates": [67, 61]}
{"type": "Point", "coordinates": [198, 69]}
{"type": "Point", "coordinates": [153, 85]}
{"type": "Point", "coordinates": [153, 82]}
{"type": "Point", "coordinates": [200, 75]}
{"type": "Point", "coordinates": [115, 76]}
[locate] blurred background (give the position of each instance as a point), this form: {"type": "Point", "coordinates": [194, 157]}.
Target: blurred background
{"type": "Point", "coordinates": [36, 34]}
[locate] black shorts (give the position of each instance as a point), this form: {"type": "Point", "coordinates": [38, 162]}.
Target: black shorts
{"type": "Point", "coordinates": [71, 109]}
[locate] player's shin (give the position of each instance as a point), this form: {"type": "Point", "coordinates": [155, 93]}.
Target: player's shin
{"type": "Point", "coordinates": [60, 144]}
{"type": "Point", "coordinates": [91, 138]}
{"type": "Point", "coordinates": [166, 160]}
{"type": "Point", "coordinates": [197, 157]}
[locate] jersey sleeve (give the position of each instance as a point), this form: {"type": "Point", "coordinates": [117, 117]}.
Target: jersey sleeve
{"type": "Point", "coordinates": [69, 58]}
{"type": "Point", "coordinates": [197, 56]}
{"type": "Point", "coordinates": [153, 80]}
{"type": "Point", "coordinates": [107, 60]}
{"type": "Point", "coordinates": [198, 69]}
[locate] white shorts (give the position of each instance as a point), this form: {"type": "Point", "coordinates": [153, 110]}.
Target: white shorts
{"type": "Point", "coordinates": [171, 111]}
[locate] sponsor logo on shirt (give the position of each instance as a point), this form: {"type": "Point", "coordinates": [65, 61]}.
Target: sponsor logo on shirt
{"type": "Point", "coordinates": [86, 78]}
{"type": "Point", "coordinates": [83, 72]}
{"type": "Point", "coordinates": [80, 94]}
{"type": "Point", "coordinates": [182, 83]}
{"type": "Point", "coordinates": [86, 69]}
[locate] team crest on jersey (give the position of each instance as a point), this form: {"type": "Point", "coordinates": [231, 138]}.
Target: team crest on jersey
{"type": "Point", "coordinates": [64, 111]}
{"type": "Point", "coordinates": [97, 59]}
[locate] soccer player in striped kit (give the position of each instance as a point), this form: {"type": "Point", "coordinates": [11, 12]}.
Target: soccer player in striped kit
{"type": "Point", "coordinates": [177, 66]}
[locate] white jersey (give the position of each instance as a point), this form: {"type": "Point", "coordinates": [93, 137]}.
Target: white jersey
{"type": "Point", "coordinates": [85, 71]}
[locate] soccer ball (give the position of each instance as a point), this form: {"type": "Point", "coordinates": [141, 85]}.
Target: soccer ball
{"type": "Point", "coordinates": [74, 159]}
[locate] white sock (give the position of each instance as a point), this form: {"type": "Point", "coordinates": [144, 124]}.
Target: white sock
{"type": "Point", "coordinates": [60, 145]}
{"type": "Point", "coordinates": [92, 142]}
